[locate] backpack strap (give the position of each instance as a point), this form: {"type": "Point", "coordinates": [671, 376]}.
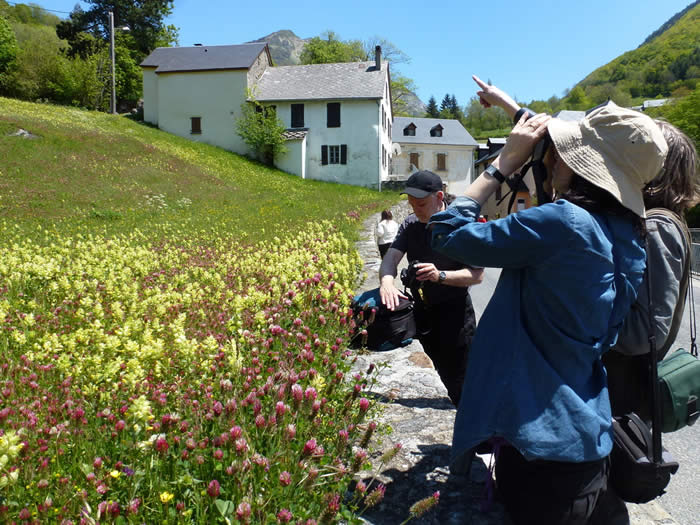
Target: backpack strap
{"type": "Point", "coordinates": [683, 288]}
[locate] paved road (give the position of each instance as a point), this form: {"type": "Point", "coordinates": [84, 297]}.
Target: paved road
{"type": "Point", "coordinates": [682, 500]}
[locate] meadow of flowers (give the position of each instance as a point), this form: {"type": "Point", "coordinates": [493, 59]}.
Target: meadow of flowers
{"type": "Point", "coordinates": [193, 380]}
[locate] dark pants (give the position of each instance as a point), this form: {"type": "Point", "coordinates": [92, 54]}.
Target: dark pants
{"type": "Point", "coordinates": [383, 249]}
{"type": "Point", "coordinates": [445, 331]}
{"type": "Point", "coordinates": [549, 492]}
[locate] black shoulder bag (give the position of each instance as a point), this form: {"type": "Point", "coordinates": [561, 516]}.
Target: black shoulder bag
{"type": "Point", "coordinates": [641, 468]}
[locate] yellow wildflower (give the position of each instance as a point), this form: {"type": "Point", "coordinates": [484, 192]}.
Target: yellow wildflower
{"type": "Point", "coordinates": [165, 497]}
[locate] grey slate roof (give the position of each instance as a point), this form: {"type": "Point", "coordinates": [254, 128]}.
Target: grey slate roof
{"type": "Point", "coordinates": [350, 80]}
{"type": "Point", "coordinates": [203, 58]}
{"type": "Point", "coordinates": [453, 133]}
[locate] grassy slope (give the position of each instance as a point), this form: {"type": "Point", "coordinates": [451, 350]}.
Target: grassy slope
{"type": "Point", "coordinates": [682, 37]}
{"type": "Point", "coordinates": [101, 170]}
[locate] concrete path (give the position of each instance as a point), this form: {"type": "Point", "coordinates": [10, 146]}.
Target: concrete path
{"type": "Point", "coordinates": [416, 406]}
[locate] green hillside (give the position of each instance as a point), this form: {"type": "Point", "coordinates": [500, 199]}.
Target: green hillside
{"type": "Point", "coordinates": [110, 173]}
{"type": "Point", "coordinates": [667, 64]}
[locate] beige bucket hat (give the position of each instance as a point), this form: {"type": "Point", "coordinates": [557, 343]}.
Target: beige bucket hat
{"type": "Point", "coordinates": [617, 149]}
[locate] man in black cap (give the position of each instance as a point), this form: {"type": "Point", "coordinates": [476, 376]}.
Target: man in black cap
{"type": "Point", "coordinates": [444, 311]}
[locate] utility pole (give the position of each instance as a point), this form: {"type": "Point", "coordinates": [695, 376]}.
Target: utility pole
{"type": "Point", "coordinates": [113, 101]}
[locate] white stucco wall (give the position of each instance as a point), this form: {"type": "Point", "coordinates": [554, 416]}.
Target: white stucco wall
{"type": "Point", "coordinates": [386, 133]}
{"type": "Point", "coordinates": [150, 95]}
{"type": "Point", "coordinates": [360, 129]}
{"type": "Point", "coordinates": [459, 163]}
{"type": "Point", "coordinates": [215, 96]}
{"type": "Point", "coordinates": [293, 160]}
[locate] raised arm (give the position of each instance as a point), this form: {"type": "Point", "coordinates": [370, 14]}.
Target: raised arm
{"type": "Point", "coordinates": [492, 96]}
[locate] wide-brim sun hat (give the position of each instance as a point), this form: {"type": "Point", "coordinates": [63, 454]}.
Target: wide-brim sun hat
{"type": "Point", "coordinates": [617, 149]}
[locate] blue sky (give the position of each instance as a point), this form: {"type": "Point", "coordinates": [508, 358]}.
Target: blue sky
{"type": "Point", "coordinates": [532, 49]}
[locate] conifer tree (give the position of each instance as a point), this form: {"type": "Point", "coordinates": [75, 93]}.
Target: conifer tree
{"type": "Point", "coordinates": [432, 109]}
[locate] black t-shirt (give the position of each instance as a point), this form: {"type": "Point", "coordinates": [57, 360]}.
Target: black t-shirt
{"type": "Point", "coordinates": [413, 238]}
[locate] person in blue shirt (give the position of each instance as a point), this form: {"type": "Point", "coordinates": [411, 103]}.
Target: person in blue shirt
{"type": "Point", "coordinates": [535, 386]}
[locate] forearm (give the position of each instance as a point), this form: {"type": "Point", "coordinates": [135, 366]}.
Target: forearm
{"type": "Point", "coordinates": [464, 277]}
{"type": "Point", "coordinates": [483, 187]}
{"type": "Point", "coordinates": [389, 267]}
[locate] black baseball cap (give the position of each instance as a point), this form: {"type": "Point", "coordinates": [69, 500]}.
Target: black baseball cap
{"type": "Point", "coordinates": [422, 183]}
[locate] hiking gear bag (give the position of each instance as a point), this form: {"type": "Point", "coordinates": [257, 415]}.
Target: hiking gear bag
{"type": "Point", "coordinates": [385, 329]}
{"type": "Point", "coordinates": [679, 382]}
{"type": "Point", "coordinates": [640, 468]}
{"type": "Point", "coordinates": [679, 374]}
{"type": "Point", "coordinates": [635, 474]}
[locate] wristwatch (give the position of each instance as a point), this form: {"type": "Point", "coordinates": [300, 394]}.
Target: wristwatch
{"type": "Point", "coordinates": [441, 277]}
{"type": "Point", "coordinates": [493, 171]}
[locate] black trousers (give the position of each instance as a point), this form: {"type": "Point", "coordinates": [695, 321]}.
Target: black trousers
{"type": "Point", "coordinates": [383, 249]}
{"type": "Point", "coordinates": [549, 492]}
{"type": "Point", "coordinates": [445, 331]}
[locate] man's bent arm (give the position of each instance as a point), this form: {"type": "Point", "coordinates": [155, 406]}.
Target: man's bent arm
{"type": "Point", "coordinates": [387, 271]}
{"type": "Point", "coordinates": [464, 277]}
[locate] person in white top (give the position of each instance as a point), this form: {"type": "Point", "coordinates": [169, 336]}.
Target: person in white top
{"type": "Point", "coordinates": [386, 232]}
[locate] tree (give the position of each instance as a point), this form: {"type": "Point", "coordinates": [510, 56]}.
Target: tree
{"type": "Point", "coordinates": [87, 35]}
{"type": "Point", "coordinates": [330, 49]}
{"type": "Point", "coordinates": [261, 130]}
{"type": "Point", "coordinates": [401, 88]}
{"type": "Point", "coordinates": [446, 103]}
{"type": "Point", "coordinates": [432, 109]}
{"type": "Point", "coordinates": [145, 19]}
{"type": "Point", "coordinates": [390, 52]}
{"type": "Point", "coordinates": [8, 47]}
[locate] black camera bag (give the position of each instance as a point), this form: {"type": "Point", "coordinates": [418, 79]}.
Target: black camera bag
{"type": "Point", "coordinates": [635, 474]}
{"type": "Point", "coordinates": [385, 329]}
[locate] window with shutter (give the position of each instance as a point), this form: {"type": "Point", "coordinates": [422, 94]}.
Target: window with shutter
{"type": "Point", "coordinates": [414, 160]}
{"type": "Point", "coordinates": [441, 161]}
{"type": "Point", "coordinates": [333, 154]}
{"type": "Point", "coordinates": [196, 125]}
{"type": "Point", "coordinates": [333, 114]}
{"type": "Point", "coordinates": [297, 115]}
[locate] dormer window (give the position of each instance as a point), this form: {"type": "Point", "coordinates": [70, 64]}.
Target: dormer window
{"type": "Point", "coordinates": [410, 130]}
{"type": "Point", "coordinates": [436, 131]}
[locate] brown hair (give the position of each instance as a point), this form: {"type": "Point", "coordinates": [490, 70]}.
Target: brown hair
{"type": "Point", "coordinates": [387, 215]}
{"type": "Point", "coordinates": [677, 188]}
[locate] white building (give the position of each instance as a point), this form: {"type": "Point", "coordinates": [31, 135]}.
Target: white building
{"type": "Point", "coordinates": [338, 115]}
{"type": "Point", "coordinates": [439, 145]}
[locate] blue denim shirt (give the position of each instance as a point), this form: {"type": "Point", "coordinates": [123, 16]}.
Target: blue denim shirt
{"type": "Point", "coordinates": [535, 375]}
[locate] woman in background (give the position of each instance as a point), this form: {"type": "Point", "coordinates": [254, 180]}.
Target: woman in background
{"type": "Point", "coordinates": [386, 232]}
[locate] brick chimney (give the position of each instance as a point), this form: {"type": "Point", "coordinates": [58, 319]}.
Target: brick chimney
{"type": "Point", "coordinates": [378, 58]}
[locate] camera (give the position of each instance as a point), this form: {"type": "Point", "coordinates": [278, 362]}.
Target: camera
{"type": "Point", "coordinates": [409, 276]}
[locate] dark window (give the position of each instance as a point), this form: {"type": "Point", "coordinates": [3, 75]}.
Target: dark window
{"type": "Point", "coordinates": [196, 123]}
{"type": "Point", "coordinates": [334, 154]}
{"type": "Point", "coordinates": [333, 115]}
{"type": "Point", "coordinates": [297, 115]}
{"type": "Point", "coordinates": [441, 157]}
{"type": "Point", "coordinates": [414, 160]}
{"type": "Point", "coordinates": [383, 119]}
{"type": "Point", "coordinates": [410, 130]}
{"type": "Point", "coordinates": [436, 131]}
